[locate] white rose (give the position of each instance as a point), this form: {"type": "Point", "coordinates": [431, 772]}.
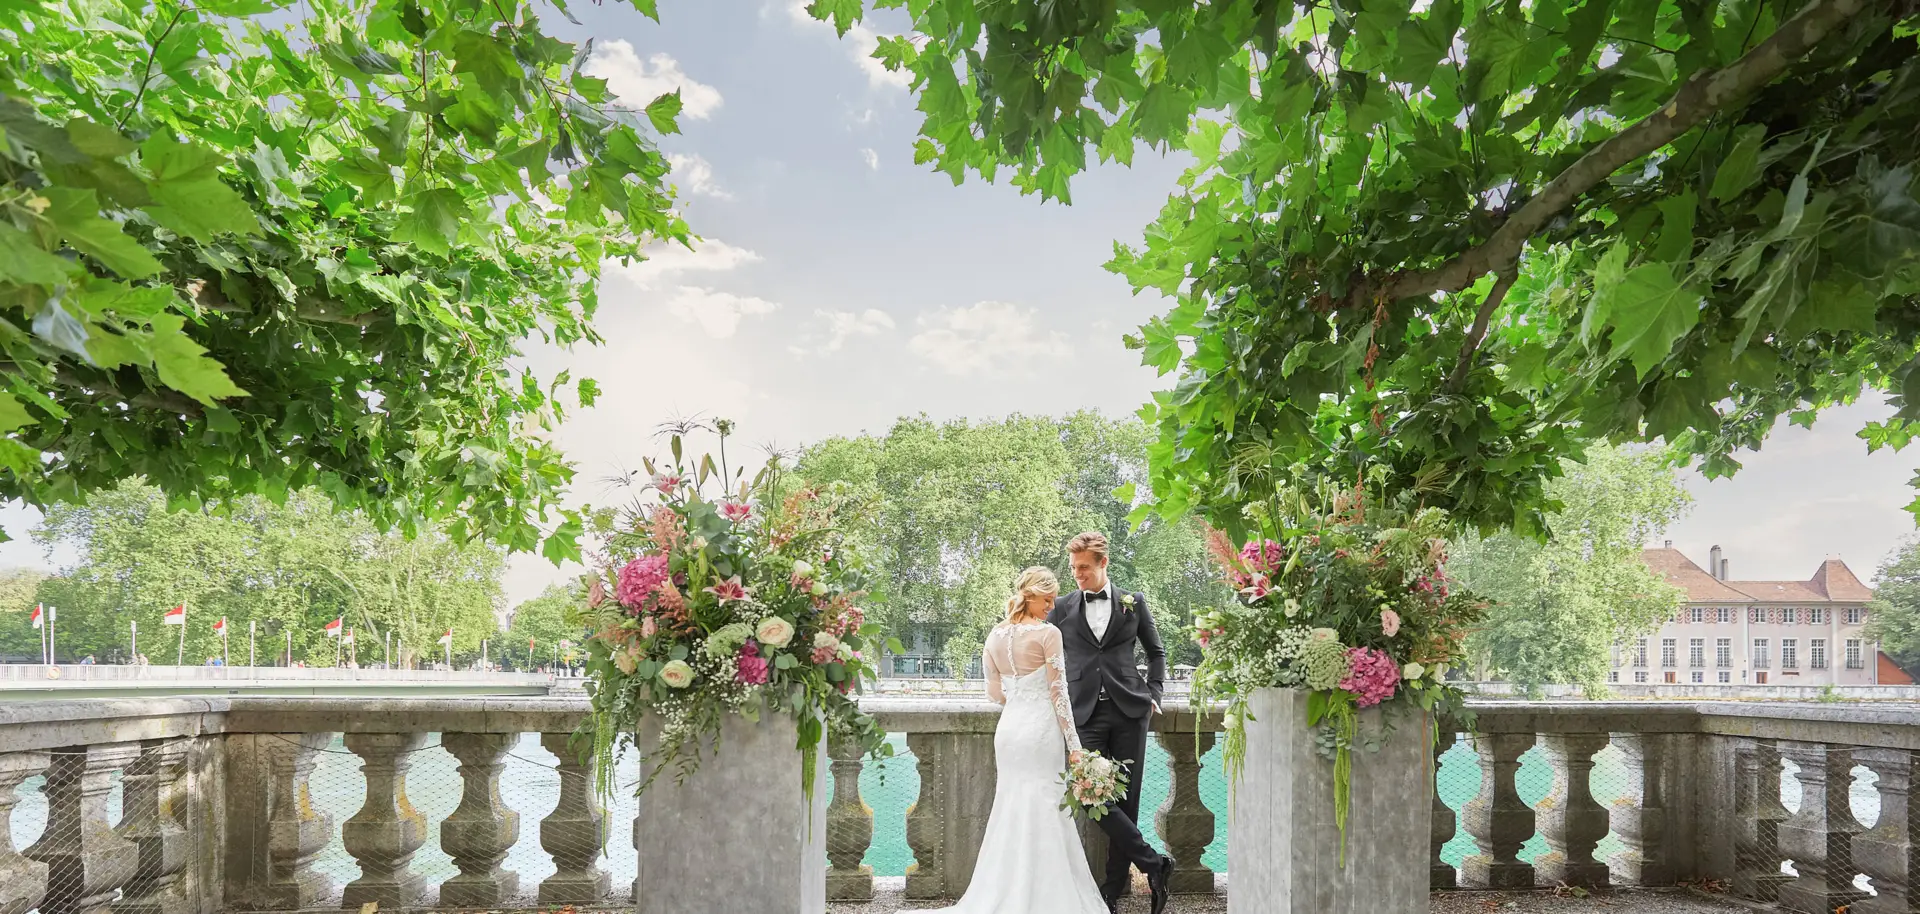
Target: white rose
{"type": "Point", "coordinates": [1412, 671]}
{"type": "Point", "coordinates": [677, 674]}
{"type": "Point", "coordinates": [825, 639]}
{"type": "Point", "coordinates": [819, 588]}
{"type": "Point", "coordinates": [774, 631]}
{"type": "Point", "coordinates": [1293, 607]}
{"type": "Point", "coordinates": [802, 568]}
{"type": "Point", "coordinates": [844, 652]}
{"type": "Point", "coordinates": [1440, 671]}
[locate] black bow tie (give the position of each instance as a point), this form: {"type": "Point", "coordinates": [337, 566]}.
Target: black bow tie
{"type": "Point", "coordinates": [1096, 595]}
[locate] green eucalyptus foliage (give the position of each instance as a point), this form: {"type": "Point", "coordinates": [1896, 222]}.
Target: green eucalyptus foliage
{"type": "Point", "coordinates": [1462, 239]}
{"type": "Point", "coordinates": [248, 247]}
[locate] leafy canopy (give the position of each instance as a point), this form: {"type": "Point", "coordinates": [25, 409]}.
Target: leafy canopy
{"type": "Point", "coordinates": [1893, 618]}
{"type": "Point", "coordinates": [247, 251]}
{"type": "Point", "coordinates": [1462, 239]}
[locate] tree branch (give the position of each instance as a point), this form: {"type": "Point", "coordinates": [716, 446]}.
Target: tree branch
{"type": "Point", "coordinates": [159, 398]}
{"type": "Point", "coordinates": [1703, 95]}
{"type": "Point", "coordinates": [1479, 330]}
{"type": "Point", "coordinates": [308, 308]}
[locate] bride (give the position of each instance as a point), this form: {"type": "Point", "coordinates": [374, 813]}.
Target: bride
{"type": "Point", "coordinates": [1031, 861]}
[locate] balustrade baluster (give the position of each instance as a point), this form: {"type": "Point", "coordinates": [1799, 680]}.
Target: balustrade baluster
{"type": "Point", "coordinates": [1819, 837]}
{"type": "Point", "coordinates": [1889, 852]}
{"type": "Point", "coordinates": [482, 829]}
{"type": "Point", "coordinates": [387, 830]}
{"type": "Point", "coordinates": [1640, 817]}
{"type": "Point", "coordinates": [23, 882]}
{"type": "Point", "coordinates": [296, 831]}
{"type": "Point", "coordinates": [573, 833]}
{"type": "Point", "coordinates": [1183, 819]}
{"type": "Point", "coordinates": [849, 827]}
{"type": "Point", "coordinates": [1571, 821]}
{"type": "Point", "coordinates": [87, 862]}
{"type": "Point", "coordinates": [926, 818]}
{"type": "Point", "coordinates": [1444, 822]}
{"type": "Point", "coordinates": [1758, 816]}
{"type": "Point", "coordinates": [1497, 819]}
{"type": "Point", "coordinates": [151, 819]}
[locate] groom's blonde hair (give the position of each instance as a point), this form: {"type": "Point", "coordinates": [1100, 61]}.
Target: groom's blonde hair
{"type": "Point", "coordinates": [1035, 580]}
{"type": "Point", "coordinates": [1090, 541]}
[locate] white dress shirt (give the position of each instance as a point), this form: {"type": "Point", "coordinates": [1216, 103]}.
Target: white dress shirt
{"type": "Point", "coordinates": [1100, 611]}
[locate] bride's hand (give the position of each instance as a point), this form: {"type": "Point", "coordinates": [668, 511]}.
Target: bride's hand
{"type": "Point", "coordinates": [1075, 756]}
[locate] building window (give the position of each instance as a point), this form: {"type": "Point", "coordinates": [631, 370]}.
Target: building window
{"type": "Point", "coordinates": [1789, 653]}
{"type": "Point", "coordinates": [1640, 676]}
{"type": "Point", "coordinates": [1760, 678]}
{"type": "Point", "coordinates": [1613, 676]}
{"type": "Point", "coordinates": [1723, 652]}
{"type": "Point", "coordinates": [1616, 653]}
{"type": "Point", "coordinates": [1817, 653]}
{"type": "Point", "coordinates": [1697, 614]}
{"type": "Point", "coordinates": [1724, 615]}
{"type": "Point", "coordinates": [1757, 615]}
{"type": "Point", "coordinates": [1853, 654]}
{"type": "Point", "coordinates": [1856, 615]}
{"type": "Point", "coordinates": [1726, 676]}
{"type": "Point", "coordinates": [1697, 652]}
{"type": "Point", "coordinates": [1817, 615]}
{"type": "Point", "coordinates": [1699, 677]}
{"type": "Point", "coordinates": [1789, 615]}
{"type": "Point", "coordinates": [1669, 652]}
{"type": "Point", "coordinates": [1760, 659]}
{"type": "Point", "coordinates": [1640, 652]}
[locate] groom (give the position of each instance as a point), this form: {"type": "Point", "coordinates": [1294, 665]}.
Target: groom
{"type": "Point", "coordinates": [1100, 625]}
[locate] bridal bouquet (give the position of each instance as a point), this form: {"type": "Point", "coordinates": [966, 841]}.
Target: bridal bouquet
{"type": "Point", "coordinates": [1093, 783]}
{"type": "Point", "coordinates": [731, 602]}
{"type": "Point", "coordinates": [1346, 597]}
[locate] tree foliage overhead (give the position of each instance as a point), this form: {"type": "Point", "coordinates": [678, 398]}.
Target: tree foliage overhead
{"type": "Point", "coordinates": [1559, 606]}
{"type": "Point", "coordinates": [1462, 239]}
{"type": "Point", "coordinates": [1893, 618]}
{"type": "Point", "coordinates": [245, 251]}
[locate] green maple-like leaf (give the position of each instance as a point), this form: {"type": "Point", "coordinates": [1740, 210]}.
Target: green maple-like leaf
{"type": "Point", "coordinates": [1647, 309]}
{"type": "Point", "coordinates": [24, 262]}
{"type": "Point", "coordinates": [75, 214]}
{"type": "Point", "coordinates": [664, 112]}
{"type": "Point", "coordinates": [188, 195]}
{"type": "Point", "coordinates": [184, 366]}
{"type": "Point", "coordinates": [433, 221]}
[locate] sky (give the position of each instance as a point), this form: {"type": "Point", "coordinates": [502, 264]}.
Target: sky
{"type": "Point", "coordinates": [838, 286]}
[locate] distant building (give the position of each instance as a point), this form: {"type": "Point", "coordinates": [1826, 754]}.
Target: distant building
{"type": "Point", "coordinates": [1730, 632]}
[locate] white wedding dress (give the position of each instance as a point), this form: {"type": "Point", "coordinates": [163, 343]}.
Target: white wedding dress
{"type": "Point", "coordinates": [1031, 860]}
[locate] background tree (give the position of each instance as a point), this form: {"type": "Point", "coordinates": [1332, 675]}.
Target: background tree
{"type": "Point", "coordinates": [1560, 605]}
{"type": "Point", "coordinates": [1461, 240]}
{"type": "Point", "coordinates": [954, 510]}
{"type": "Point", "coordinates": [288, 568]}
{"type": "Point", "coordinates": [542, 619]}
{"type": "Point", "coordinates": [17, 635]}
{"type": "Point", "coordinates": [244, 251]}
{"type": "Point", "coordinates": [1893, 618]}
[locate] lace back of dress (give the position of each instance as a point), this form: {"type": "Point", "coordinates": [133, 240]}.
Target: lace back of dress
{"type": "Point", "coordinates": [1031, 683]}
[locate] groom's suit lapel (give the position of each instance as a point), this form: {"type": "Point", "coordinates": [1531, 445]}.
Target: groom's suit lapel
{"type": "Point", "coordinates": [1113, 613]}
{"type": "Point", "coordinates": [1080, 610]}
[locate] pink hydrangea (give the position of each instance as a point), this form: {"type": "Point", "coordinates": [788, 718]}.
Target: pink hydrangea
{"type": "Point", "coordinates": [640, 579]}
{"type": "Point", "coordinates": [1372, 676]}
{"type": "Point", "coordinates": [1389, 622]}
{"type": "Point", "coordinates": [752, 668]}
{"type": "Point", "coordinates": [1263, 556]}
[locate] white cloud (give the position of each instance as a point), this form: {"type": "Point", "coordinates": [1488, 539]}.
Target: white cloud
{"type": "Point", "coordinates": [966, 341]}
{"type": "Point", "coordinates": [860, 42]}
{"type": "Point", "coordinates": [695, 176]}
{"type": "Point", "coordinates": [638, 82]}
{"type": "Point", "coordinates": [717, 313]}
{"type": "Point", "coordinates": [872, 158]}
{"type": "Point", "coordinates": [842, 326]}
{"type": "Point", "coordinates": [671, 260]}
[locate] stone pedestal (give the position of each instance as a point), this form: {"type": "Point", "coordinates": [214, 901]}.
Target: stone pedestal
{"type": "Point", "coordinates": [738, 834]}
{"type": "Point", "coordinates": [23, 882]}
{"type": "Point", "coordinates": [1282, 844]}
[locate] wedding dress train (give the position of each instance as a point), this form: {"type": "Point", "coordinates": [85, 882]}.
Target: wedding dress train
{"type": "Point", "coordinates": [1031, 860]}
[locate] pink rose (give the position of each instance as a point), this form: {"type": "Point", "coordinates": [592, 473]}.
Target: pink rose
{"type": "Point", "coordinates": [1389, 622]}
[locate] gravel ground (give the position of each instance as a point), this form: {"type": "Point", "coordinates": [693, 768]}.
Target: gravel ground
{"type": "Point", "coordinates": [889, 898]}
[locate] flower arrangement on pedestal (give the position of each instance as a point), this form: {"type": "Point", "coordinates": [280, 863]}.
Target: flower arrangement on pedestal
{"type": "Point", "coordinates": [1345, 596]}
{"type": "Point", "coordinates": [744, 602]}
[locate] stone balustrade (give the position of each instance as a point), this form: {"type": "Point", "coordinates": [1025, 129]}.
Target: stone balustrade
{"type": "Point", "coordinates": [218, 809]}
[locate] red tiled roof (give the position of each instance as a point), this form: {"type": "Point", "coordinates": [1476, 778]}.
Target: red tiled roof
{"type": "Point", "coordinates": [1890, 672]}
{"type": "Point", "coordinates": [1681, 572]}
{"type": "Point", "coordinates": [1833, 583]}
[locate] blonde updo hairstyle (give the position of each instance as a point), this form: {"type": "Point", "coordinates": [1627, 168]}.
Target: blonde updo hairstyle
{"type": "Point", "coordinates": [1035, 581]}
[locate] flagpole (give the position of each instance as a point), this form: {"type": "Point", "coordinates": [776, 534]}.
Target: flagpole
{"type": "Point", "coordinates": [53, 645]}
{"type": "Point", "coordinates": [389, 649]}
{"type": "Point", "coordinates": [225, 659]}
{"type": "Point", "coordinates": [289, 647]}
{"type": "Point", "coordinates": [250, 654]}
{"type": "Point", "coordinates": [336, 651]}
{"type": "Point", "coordinates": [134, 627]}
{"type": "Point", "coordinates": [45, 629]}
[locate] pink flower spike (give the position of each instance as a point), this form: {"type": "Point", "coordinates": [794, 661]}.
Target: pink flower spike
{"type": "Point", "coordinates": [729, 590]}
{"type": "Point", "coordinates": [736, 511]}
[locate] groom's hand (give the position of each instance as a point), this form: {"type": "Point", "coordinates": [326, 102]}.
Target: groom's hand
{"type": "Point", "coordinates": [1156, 706]}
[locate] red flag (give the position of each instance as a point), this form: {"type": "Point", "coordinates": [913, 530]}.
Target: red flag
{"type": "Point", "coordinates": [333, 628]}
{"type": "Point", "coordinates": [347, 638]}
{"type": "Point", "coordinates": [39, 616]}
{"type": "Point", "coordinates": [176, 615]}
{"type": "Point", "coordinates": [447, 639]}
{"type": "Point", "coordinates": [220, 627]}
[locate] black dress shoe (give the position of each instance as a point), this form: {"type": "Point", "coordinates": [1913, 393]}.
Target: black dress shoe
{"type": "Point", "coordinates": [1113, 905]}
{"type": "Point", "coordinates": [1157, 883]}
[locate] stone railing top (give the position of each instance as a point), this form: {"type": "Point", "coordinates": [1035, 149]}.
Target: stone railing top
{"type": "Point", "coordinates": [51, 724]}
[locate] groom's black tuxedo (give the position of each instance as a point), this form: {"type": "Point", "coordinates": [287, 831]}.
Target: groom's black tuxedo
{"type": "Point", "coordinates": [1107, 662]}
{"type": "Point", "coordinates": [1111, 709]}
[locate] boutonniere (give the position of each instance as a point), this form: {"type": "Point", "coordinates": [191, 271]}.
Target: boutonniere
{"type": "Point", "coordinates": [1126, 602]}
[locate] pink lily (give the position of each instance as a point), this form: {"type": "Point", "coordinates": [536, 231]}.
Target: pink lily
{"type": "Point", "coordinates": [667, 482]}
{"type": "Point", "coordinates": [736, 511]}
{"type": "Point", "coordinates": [729, 589]}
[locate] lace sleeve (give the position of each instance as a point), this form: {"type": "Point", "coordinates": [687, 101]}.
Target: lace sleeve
{"type": "Point", "coordinates": [989, 666]}
{"type": "Point", "coordinates": [1057, 685]}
